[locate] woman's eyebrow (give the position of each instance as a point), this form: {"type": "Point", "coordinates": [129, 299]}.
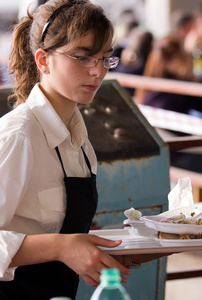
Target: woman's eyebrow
{"type": "Point", "coordinates": [110, 50]}
{"type": "Point", "coordinates": [88, 49]}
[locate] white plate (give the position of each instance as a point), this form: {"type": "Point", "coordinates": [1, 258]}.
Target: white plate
{"type": "Point", "coordinates": [133, 222]}
{"type": "Point", "coordinates": [151, 221]}
{"type": "Point", "coordinates": [138, 227]}
{"type": "Point", "coordinates": [179, 243]}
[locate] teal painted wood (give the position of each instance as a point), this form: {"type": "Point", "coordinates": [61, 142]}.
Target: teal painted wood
{"type": "Point", "coordinates": [142, 184]}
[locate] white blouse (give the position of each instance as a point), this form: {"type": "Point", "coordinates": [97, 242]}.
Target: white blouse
{"type": "Point", "coordinates": [32, 191]}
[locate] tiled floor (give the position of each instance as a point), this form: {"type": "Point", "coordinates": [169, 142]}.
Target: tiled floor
{"type": "Point", "coordinates": [184, 289]}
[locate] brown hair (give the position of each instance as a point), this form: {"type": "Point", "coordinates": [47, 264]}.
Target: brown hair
{"type": "Point", "coordinates": [72, 23]}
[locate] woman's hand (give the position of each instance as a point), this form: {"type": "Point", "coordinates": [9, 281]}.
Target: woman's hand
{"type": "Point", "coordinates": [81, 253]}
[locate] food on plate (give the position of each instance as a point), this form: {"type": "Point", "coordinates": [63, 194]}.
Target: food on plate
{"type": "Point", "coordinates": [191, 221]}
{"type": "Point", "coordinates": [175, 219]}
{"type": "Point", "coordinates": [174, 236]}
{"type": "Point", "coordinates": [180, 219]}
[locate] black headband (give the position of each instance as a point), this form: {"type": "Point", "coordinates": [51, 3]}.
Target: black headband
{"type": "Point", "coordinates": [52, 17]}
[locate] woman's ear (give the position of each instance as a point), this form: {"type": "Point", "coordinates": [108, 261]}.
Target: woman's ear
{"type": "Point", "coordinates": [41, 58]}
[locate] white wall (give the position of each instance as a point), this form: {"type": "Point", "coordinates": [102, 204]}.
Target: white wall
{"type": "Point", "coordinates": [9, 6]}
{"type": "Point", "coordinates": [157, 17]}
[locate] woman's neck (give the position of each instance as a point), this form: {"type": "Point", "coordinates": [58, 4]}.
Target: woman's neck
{"type": "Point", "coordinates": [63, 106]}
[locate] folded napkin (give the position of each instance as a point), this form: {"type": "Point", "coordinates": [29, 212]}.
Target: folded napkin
{"type": "Point", "coordinates": [181, 194]}
{"type": "Point", "coordinates": [133, 214]}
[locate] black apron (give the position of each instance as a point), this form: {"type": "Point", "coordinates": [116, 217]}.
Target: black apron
{"type": "Point", "coordinates": [46, 280]}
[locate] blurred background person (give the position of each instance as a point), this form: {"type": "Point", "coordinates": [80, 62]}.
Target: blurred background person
{"type": "Point", "coordinates": [134, 56]}
{"type": "Point", "coordinates": [195, 31]}
{"type": "Point", "coordinates": [169, 60]}
{"type": "Point", "coordinates": [193, 43]}
{"type": "Point", "coordinates": [181, 23]}
{"type": "Point", "coordinates": [124, 24]}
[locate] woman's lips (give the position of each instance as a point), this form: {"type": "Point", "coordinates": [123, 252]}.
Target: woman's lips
{"type": "Point", "coordinates": [91, 88]}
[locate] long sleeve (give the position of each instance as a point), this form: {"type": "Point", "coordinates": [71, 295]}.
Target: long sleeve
{"type": "Point", "coordinates": [10, 242]}
{"type": "Point", "coordinates": [15, 167]}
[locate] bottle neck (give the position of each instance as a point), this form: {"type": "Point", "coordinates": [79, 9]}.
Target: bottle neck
{"type": "Point", "coordinates": [110, 284]}
{"type": "Point", "coordinates": [110, 278]}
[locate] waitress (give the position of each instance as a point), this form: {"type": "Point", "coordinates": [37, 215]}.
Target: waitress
{"type": "Point", "coordinates": [59, 58]}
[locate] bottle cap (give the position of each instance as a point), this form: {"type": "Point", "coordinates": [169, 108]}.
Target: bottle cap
{"type": "Point", "coordinates": [110, 275]}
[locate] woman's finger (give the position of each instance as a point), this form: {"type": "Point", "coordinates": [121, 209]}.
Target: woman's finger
{"type": "Point", "coordinates": [91, 281]}
{"type": "Point", "coordinates": [103, 242]}
{"type": "Point", "coordinates": [110, 262]}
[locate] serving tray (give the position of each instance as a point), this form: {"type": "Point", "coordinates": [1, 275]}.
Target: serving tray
{"type": "Point", "coordinates": [145, 244]}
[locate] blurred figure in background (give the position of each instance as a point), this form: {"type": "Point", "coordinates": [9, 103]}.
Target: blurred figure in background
{"type": "Point", "coordinates": [182, 22]}
{"type": "Point", "coordinates": [134, 56]}
{"type": "Point", "coordinates": [125, 23]}
{"type": "Point", "coordinates": [195, 32]}
{"type": "Point", "coordinates": [193, 43]}
{"type": "Point", "coordinates": [169, 60]}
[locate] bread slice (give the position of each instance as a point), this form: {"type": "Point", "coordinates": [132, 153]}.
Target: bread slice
{"type": "Point", "coordinates": [173, 236]}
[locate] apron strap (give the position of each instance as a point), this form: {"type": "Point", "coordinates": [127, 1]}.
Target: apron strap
{"type": "Point", "coordinates": [85, 156]}
{"type": "Point", "coordinates": [87, 160]}
{"type": "Point", "coordinates": [59, 156]}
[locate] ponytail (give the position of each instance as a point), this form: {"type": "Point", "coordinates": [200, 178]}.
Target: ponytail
{"type": "Point", "coordinates": [22, 61]}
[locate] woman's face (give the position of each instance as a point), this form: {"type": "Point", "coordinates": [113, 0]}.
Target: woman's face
{"type": "Point", "coordinates": [67, 79]}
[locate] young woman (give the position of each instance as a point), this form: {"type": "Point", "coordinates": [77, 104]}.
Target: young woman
{"type": "Point", "coordinates": [48, 196]}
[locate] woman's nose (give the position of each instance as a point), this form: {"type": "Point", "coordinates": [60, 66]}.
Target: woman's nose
{"type": "Point", "coordinates": [99, 70]}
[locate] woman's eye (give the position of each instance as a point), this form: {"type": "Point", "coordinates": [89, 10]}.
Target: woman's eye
{"type": "Point", "coordinates": [83, 58]}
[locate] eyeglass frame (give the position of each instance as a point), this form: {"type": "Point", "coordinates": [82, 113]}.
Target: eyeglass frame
{"type": "Point", "coordinates": [78, 58]}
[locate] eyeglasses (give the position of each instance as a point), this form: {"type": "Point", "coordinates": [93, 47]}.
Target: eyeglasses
{"type": "Point", "coordinates": [91, 61]}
